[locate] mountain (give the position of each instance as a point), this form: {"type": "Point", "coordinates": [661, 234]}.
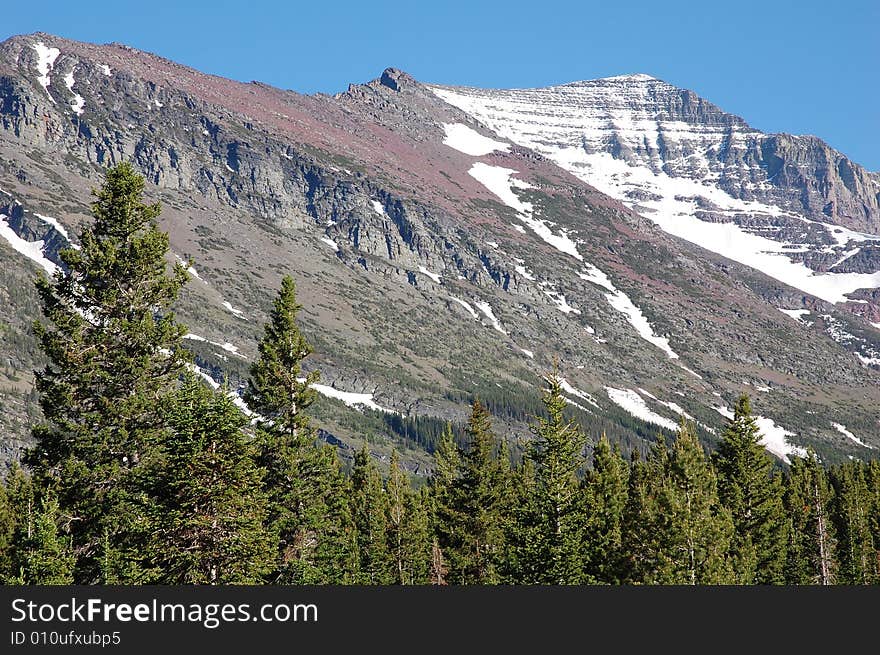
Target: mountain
{"type": "Point", "coordinates": [445, 248]}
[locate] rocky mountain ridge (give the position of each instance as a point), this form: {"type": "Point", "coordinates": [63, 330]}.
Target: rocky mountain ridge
{"type": "Point", "coordinates": [436, 259]}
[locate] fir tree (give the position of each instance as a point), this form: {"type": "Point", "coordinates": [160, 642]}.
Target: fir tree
{"type": "Point", "coordinates": [336, 550]}
{"type": "Point", "coordinates": [445, 521]}
{"type": "Point", "coordinates": [369, 505]}
{"type": "Point", "coordinates": [697, 528]}
{"type": "Point", "coordinates": [676, 530]}
{"type": "Point", "coordinates": [207, 503]}
{"type": "Point", "coordinates": [605, 498]}
{"type": "Point", "coordinates": [44, 556]}
{"type": "Point", "coordinates": [642, 532]}
{"type": "Point", "coordinates": [856, 550]}
{"type": "Point", "coordinates": [299, 475]}
{"type": "Point", "coordinates": [752, 492]}
{"type": "Point", "coordinates": [114, 355]}
{"type": "Point", "coordinates": [479, 497]}
{"type": "Point", "coordinates": [559, 521]}
{"type": "Point", "coordinates": [408, 530]}
{"type": "Point", "coordinates": [808, 501]}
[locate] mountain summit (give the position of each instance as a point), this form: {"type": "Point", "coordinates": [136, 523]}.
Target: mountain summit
{"type": "Point", "coordinates": [450, 243]}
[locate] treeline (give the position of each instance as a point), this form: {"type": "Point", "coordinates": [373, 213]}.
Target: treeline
{"type": "Point", "coordinates": [144, 474]}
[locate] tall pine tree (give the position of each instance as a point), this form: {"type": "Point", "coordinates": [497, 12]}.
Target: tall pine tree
{"type": "Point", "coordinates": [558, 525]}
{"type": "Point", "coordinates": [752, 491]}
{"type": "Point", "coordinates": [369, 505]}
{"type": "Point", "coordinates": [299, 475]}
{"type": "Point", "coordinates": [206, 501]}
{"type": "Point", "coordinates": [808, 502]}
{"type": "Point", "coordinates": [114, 355]}
{"type": "Point", "coordinates": [605, 498]}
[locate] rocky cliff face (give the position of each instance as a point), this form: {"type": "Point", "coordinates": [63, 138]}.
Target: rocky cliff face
{"type": "Point", "coordinates": [436, 259]}
{"type": "Point", "coordinates": [673, 156]}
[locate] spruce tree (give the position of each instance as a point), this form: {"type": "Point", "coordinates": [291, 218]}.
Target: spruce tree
{"type": "Point", "coordinates": [643, 522]}
{"type": "Point", "coordinates": [298, 473]}
{"type": "Point", "coordinates": [114, 356]}
{"type": "Point", "coordinates": [369, 505]}
{"type": "Point", "coordinates": [206, 503]}
{"type": "Point", "coordinates": [752, 491]}
{"type": "Point", "coordinates": [479, 497]}
{"type": "Point", "coordinates": [808, 502]}
{"type": "Point", "coordinates": [556, 453]}
{"type": "Point", "coordinates": [43, 555]}
{"type": "Point", "coordinates": [605, 498]}
{"type": "Point", "coordinates": [856, 551]}
{"type": "Point", "coordinates": [445, 521]}
{"type": "Point", "coordinates": [336, 549]}
{"type": "Point", "coordinates": [409, 539]}
{"type": "Point", "coordinates": [697, 529]}
{"type": "Point", "coordinates": [676, 530]}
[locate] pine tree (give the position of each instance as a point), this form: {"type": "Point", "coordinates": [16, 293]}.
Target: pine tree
{"type": "Point", "coordinates": [207, 505]}
{"type": "Point", "coordinates": [114, 355]}
{"type": "Point", "coordinates": [521, 559]}
{"type": "Point", "coordinates": [676, 530]}
{"type": "Point", "coordinates": [642, 532]}
{"type": "Point", "coordinates": [479, 496]}
{"type": "Point", "coordinates": [698, 529]}
{"type": "Point", "coordinates": [752, 492]}
{"type": "Point", "coordinates": [606, 499]}
{"type": "Point", "coordinates": [299, 475]}
{"type": "Point", "coordinates": [445, 521]}
{"type": "Point", "coordinates": [808, 502]}
{"type": "Point", "coordinates": [857, 553]}
{"type": "Point", "coordinates": [44, 556]}
{"type": "Point", "coordinates": [409, 537]}
{"type": "Point", "coordinates": [369, 505]}
{"type": "Point", "coordinates": [559, 522]}
{"type": "Point", "coordinates": [336, 551]}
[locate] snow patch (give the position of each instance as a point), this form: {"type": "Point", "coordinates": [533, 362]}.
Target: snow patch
{"type": "Point", "coordinates": [796, 314]}
{"type": "Point", "coordinates": [527, 353]}
{"type": "Point", "coordinates": [466, 306]}
{"type": "Point", "coordinates": [842, 429]}
{"type": "Point", "coordinates": [350, 398]}
{"type": "Point", "coordinates": [561, 303]}
{"type": "Point", "coordinates": [486, 308]}
{"type": "Point", "coordinates": [105, 69]}
{"type": "Point", "coordinates": [330, 242]}
{"type": "Point", "coordinates": [622, 303]}
{"type": "Point", "coordinates": [498, 180]}
{"type": "Point", "coordinates": [378, 208]}
{"type": "Point", "coordinates": [634, 404]}
{"type": "Point", "coordinates": [470, 142]}
{"type": "Point", "coordinates": [78, 101]}
{"type": "Point", "coordinates": [577, 393]}
{"type": "Point", "coordinates": [33, 250]}
{"type": "Point", "coordinates": [433, 276]}
{"type": "Point", "coordinates": [232, 310]}
{"type": "Point", "coordinates": [522, 270]}
{"type": "Point", "coordinates": [46, 57]}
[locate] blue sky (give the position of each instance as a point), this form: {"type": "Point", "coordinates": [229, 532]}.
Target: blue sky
{"type": "Point", "coordinates": [804, 67]}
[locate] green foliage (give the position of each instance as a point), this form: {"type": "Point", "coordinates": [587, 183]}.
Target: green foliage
{"type": "Point", "coordinates": [555, 525]}
{"type": "Point", "coordinates": [114, 355]}
{"type": "Point", "coordinates": [206, 505]}
{"type": "Point", "coordinates": [808, 504]}
{"type": "Point", "coordinates": [409, 538]}
{"type": "Point", "coordinates": [750, 488]}
{"type": "Point", "coordinates": [369, 505]}
{"type": "Point", "coordinates": [605, 498]}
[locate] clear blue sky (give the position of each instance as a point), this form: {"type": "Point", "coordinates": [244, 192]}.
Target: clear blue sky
{"type": "Point", "coordinates": [805, 67]}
